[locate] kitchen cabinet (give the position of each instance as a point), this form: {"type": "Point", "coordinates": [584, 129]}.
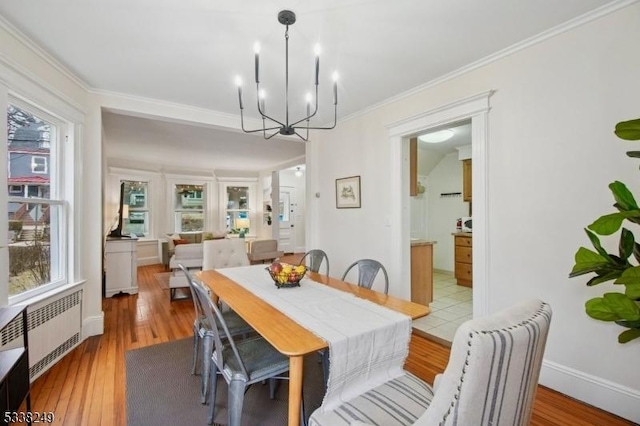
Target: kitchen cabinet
{"type": "Point", "coordinates": [121, 266]}
{"type": "Point", "coordinates": [422, 272]}
{"type": "Point", "coordinates": [466, 180]}
{"type": "Point", "coordinates": [14, 366]}
{"type": "Point", "coordinates": [463, 258]}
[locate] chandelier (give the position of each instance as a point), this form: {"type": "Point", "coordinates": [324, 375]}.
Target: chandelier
{"type": "Point", "coordinates": [285, 127]}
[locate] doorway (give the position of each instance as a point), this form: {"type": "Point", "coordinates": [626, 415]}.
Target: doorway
{"type": "Point", "coordinates": [286, 219]}
{"type": "Point", "coordinates": [441, 201]}
{"type": "Point", "coordinates": [476, 109]}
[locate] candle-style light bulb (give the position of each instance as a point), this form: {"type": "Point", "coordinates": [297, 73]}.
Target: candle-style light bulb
{"type": "Point", "coordinates": [317, 52]}
{"type": "Point", "coordinates": [239, 84]}
{"type": "Point", "coordinates": [335, 88]}
{"type": "Point", "coordinates": [256, 49]}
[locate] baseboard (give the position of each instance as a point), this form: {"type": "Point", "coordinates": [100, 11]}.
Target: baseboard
{"type": "Point", "coordinates": [443, 271]}
{"type": "Point", "coordinates": [604, 394]}
{"type": "Point", "coordinates": [93, 326]}
{"type": "Point", "coordinates": [144, 261]}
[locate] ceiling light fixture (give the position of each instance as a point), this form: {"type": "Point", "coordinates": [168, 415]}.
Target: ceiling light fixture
{"type": "Point", "coordinates": [284, 127]}
{"type": "Point", "coordinates": [437, 137]}
{"type": "Point", "coordinates": [298, 172]}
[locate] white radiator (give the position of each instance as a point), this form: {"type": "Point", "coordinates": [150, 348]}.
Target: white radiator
{"type": "Point", "coordinates": [54, 329]}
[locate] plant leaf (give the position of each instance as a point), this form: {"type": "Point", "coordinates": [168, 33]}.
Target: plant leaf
{"type": "Point", "coordinates": [636, 252]}
{"type": "Point", "coordinates": [626, 308]}
{"type": "Point", "coordinates": [596, 243]}
{"type": "Point", "coordinates": [632, 291]}
{"type": "Point", "coordinates": [633, 154]}
{"type": "Point", "coordinates": [603, 278]}
{"type": "Point", "coordinates": [628, 130]}
{"type": "Point", "coordinates": [598, 309]}
{"type": "Point", "coordinates": [628, 335]}
{"type": "Point", "coordinates": [587, 261]}
{"type": "Point", "coordinates": [607, 224]}
{"type": "Point", "coordinates": [627, 242]}
{"type": "Point", "coordinates": [629, 324]}
{"type": "Point", "coordinates": [624, 197]}
{"type": "Point", "coordinates": [629, 276]}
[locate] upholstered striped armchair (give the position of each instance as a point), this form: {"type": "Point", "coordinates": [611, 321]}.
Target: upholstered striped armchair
{"type": "Point", "coordinates": [491, 378]}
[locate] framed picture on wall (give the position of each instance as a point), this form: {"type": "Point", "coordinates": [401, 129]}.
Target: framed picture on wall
{"type": "Point", "coordinates": [348, 193]}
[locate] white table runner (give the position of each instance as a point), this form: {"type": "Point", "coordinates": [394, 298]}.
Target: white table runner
{"type": "Point", "coordinates": [368, 342]}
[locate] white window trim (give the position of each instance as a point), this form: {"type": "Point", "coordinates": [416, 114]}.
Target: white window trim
{"type": "Point", "coordinates": [60, 193]}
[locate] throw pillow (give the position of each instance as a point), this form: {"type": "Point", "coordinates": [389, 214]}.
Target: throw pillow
{"type": "Point", "coordinates": [180, 241]}
{"type": "Point", "coordinates": [171, 241]}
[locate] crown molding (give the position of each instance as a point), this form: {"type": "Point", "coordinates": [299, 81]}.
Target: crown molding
{"type": "Point", "coordinates": [40, 52]}
{"type": "Point", "coordinates": [522, 45]}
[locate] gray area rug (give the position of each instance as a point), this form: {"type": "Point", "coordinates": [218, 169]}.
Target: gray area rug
{"type": "Point", "coordinates": [161, 390]}
{"type": "Point", "coordinates": [163, 279]}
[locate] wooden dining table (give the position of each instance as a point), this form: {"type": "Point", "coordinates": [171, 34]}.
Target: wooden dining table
{"type": "Point", "coordinates": [284, 334]}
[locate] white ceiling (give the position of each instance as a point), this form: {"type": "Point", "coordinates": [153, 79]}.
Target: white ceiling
{"type": "Point", "coordinates": [189, 52]}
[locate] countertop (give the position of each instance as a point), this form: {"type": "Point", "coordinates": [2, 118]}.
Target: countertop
{"type": "Point", "coordinates": [422, 243]}
{"type": "Point", "coordinates": [462, 234]}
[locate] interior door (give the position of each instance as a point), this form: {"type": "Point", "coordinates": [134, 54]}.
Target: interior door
{"type": "Point", "coordinates": [286, 218]}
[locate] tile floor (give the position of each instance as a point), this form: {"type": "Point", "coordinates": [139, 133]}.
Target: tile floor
{"type": "Point", "coordinates": [451, 306]}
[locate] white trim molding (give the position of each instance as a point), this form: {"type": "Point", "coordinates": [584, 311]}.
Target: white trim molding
{"type": "Point", "coordinates": [604, 394]}
{"type": "Point", "coordinates": [475, 108]}
{"type": "Point", "coordinates": [93, 326]}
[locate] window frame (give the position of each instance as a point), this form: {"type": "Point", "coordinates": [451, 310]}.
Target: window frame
{"type": "Point", "coordinates": [60, 266]}
{"type": "Point", "coordinates": [34, 165]}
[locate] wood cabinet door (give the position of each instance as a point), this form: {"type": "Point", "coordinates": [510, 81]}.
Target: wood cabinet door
{"type": "Point", "coordinates": [466, 180]}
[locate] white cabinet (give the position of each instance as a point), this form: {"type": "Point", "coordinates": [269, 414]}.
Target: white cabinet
{"type": "Point", "coordinates": [121, 265]}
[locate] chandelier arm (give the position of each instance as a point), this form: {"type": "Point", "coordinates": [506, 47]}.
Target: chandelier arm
{"type": "Point", "coordinates": [307, 118]}
{"type": "Point", "coordinates": [272, 135]}
{"type": "Point", "coordinates": [301, 137]}
{"type": "Point", "coordinates": [260, 108]}
{"type": "Point", "coordinates": [335, 121]}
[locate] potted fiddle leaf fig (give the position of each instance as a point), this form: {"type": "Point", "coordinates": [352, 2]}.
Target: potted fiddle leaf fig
{"type": "Point", "coordinates": [622, 307]}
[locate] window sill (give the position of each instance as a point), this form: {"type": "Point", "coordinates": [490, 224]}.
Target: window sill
{"type": "Point", "coordinates": [44, 296]}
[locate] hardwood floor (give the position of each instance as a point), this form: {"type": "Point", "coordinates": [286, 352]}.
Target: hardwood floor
{"type": "Point", "coordinates": [87, 387]}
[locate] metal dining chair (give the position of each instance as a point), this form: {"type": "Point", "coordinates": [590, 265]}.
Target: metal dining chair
{"type": "Point", "coordinates": [241, 363]}
{"type": "Point", "coordinates": [367, 271]}
{"type": "Point", "coordinates": [314, 260]}
{"type": "Point", "coordinates": [203, 334]}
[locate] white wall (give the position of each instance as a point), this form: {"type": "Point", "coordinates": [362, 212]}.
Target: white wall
{"type": "Point", "coordinates": [37, 78]}
{"type": "Point", "coordinates": [550, 156]}
{"type": "Point", "coordinates": [443, 211]}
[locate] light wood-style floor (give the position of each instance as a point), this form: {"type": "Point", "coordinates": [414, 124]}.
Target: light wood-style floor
{"type": "Point", "coordinates": [87, 387]}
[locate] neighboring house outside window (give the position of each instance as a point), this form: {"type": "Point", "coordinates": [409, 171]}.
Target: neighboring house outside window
{"type": "Point", "coordinates": [136, 197]}
{"type": "Point", "coordinates": [36, 212]}
{"type": "Point", "coordinates": [188, 208]}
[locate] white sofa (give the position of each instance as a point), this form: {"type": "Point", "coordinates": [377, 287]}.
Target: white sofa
{"type": "Point", "coordinates": [190, 256]}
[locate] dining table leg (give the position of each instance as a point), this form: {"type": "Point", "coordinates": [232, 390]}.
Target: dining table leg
{"type": "Point", "coordinates": [296, 364]}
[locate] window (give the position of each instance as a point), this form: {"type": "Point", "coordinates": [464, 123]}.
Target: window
{"type": "Point", "coordinates": [135, 196]}
{"type": "Point", "coordinates": [36, 208]}
{"type": "Point", "coordinates": [238, 209]}
{"type": "Point", "coordinates": [38, 164]}
{"type": "Point", "coordinates": [188, 208]}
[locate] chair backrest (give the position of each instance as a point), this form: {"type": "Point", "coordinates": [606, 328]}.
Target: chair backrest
{"type": "Point", "coordinates": [219, 328]}
{"type": "Point", "coordinates": [493, 370]}
{"type": "Point", "coordinates": [313, 259]}
{"type": "Point", "coordinates": [196, 302]}
{"type": "Point", "coordinates": [367, 271]}
{"type": "Point", "coordinates": [225, 253]}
